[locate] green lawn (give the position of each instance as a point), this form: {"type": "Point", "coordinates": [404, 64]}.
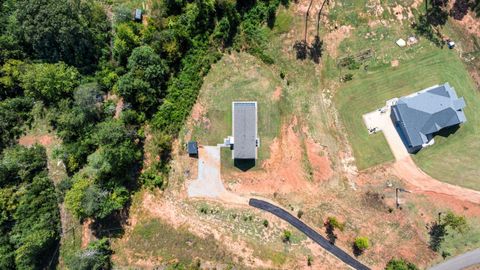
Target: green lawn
{"type": "Point", "coordinates": [455, 159]}
{"type": "Point", "coordinates": [236, 77]}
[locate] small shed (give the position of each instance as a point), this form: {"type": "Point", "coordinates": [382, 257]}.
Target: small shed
{"type": "Point", "coordinates": [192, 148]}
{"type": "Point", "coordinates": [138, 15]}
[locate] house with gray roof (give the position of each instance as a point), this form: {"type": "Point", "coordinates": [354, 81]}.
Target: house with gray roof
{"type": "Point", "coordinates": [244, 127]}
{"type": "Point", "coordinates": [419, 116]}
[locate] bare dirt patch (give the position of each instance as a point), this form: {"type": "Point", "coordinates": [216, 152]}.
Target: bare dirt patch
{"type": "Point", "coordinates": [284, 172]}
{"type": "Point", "coordinates": [470, 24]}
{"type": "Point", "coordinates": [44, 140]}
{"type": "Point", "coordinates": [395, 63]}
{"type": "Point", "coordinates": [277, 93]}
{"type": "Point", "coordinates": [87, 234]}
{"type": "Point", "coordinates": [118, 108]}
{"type": "Point", "coordinates": [334, 38]}
{"type": "Point", "coordinates": [398, 12]}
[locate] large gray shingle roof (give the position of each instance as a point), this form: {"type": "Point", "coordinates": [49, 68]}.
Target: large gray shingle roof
{"type": "Point", "coordinates": [426, 112]}
{"type": "Point", "coordinates": [245, 130]}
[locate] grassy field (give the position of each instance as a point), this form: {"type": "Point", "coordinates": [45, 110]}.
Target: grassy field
{"type": "Point", "coordinates": [420, 66]}
{"type": "Point", "coordinates": [238, 77]}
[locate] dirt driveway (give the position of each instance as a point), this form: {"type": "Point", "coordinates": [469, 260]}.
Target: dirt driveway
{"type": "Point", "coordinates": [209, 183]}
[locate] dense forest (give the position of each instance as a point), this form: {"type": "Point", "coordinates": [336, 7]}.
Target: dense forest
{"type": "Point", "coordinates": [60, 60]}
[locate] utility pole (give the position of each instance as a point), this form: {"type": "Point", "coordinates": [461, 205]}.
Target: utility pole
{"type": "Point", "coordinates": [397, 190]}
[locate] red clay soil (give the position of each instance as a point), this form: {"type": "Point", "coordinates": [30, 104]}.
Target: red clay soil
{"type": "Point", "coordinates": [407, 170]}
{"type": "Point", "coordinates": [87, 235]}
{"type": "Point", "coordinates": [284, 172]}
{"type": "Point", "coordinates": [29, 140]}
{"type": "Point", "coordinates": [277, 93]}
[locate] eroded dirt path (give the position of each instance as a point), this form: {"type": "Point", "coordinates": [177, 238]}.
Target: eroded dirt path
{"type": "Point", "coordinates": [407, 170]}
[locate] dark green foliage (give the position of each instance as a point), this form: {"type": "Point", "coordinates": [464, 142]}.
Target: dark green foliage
{"type": "Point", "coordinates": [10, 79]}
{"type": "Point", "coordinates": [74, 32]}
{"type": "Point", "coordinates": [100, 188]}
{"type": "Point", "coordinates": [14, 114]}
{"type": "Point", "coordinates": [95, 257]}
{"type": "Point", "coordinates": [20, 164]}
{"type": "Point", "coordinates": [143, 85]}
{"type": "Point", "coordinates": [125, 40]}
{"type": "Point", "coordinates": [400, 264]}
{"type": "Point", "coordinates": [49, 82]}
{"type": "Point", "coordinates": [29, 215]}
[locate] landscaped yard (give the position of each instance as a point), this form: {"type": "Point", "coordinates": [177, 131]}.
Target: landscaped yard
{"type": "Point", "coordinates": [455, 159]}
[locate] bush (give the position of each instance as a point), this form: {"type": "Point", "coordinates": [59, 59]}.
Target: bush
{"type": "Point", "coordinates": [287, 236]}
{"type": "Point", "coordinates": [362, 243]}
{"type": "Point", "coordinates": [265, 223]}
{"type": "Point", "coordinates": [333, 221]}
{"type": "Point", "coordinates": [400, 264]}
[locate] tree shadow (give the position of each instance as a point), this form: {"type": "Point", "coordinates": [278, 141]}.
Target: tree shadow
{"type": "Point", "coordinates": [330, 231]}
{"type": "Point", "coordinates": [459, 9]}
{"type": "Point", "coordinates": [244, 164]}
{"type": "Point", "coordinates": [316, 50]}
{"type": "Point", "coordinates": [113, 225]}
{"type": "Point", "coordinates": [437, 234]}
{"type": "Point", "coordinates": [356, 251]}
{"type": "Point", "coordinates": [300, 47]}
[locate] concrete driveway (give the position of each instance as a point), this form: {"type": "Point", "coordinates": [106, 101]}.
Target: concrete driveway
{"type": "Point", "coordinates": [380, 119]}
{"type": "Point", "coordinates": [209, 183]}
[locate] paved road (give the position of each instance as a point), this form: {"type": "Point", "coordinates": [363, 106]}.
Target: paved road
{"type": "Point", "coordinates": [460, 262]}
{"type": "Point", "coordinates": [312, 234]}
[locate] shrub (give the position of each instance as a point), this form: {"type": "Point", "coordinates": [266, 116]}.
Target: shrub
{"type": "Point", "coordinates": [362, 243]}
{"type": "Point", "coordinates": [287, 236]}
{"type": "Point", "coordinates": [265, 223]}
{"type": "Point", "coordinates": [333, 221]}
{"type": "Point", "coordinates": [400, 264]}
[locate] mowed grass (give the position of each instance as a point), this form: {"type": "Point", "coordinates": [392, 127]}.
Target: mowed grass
{"type": "Point", "coordinates": [455, 159]}
{"type": "Point", "coordinates": [238, 77]}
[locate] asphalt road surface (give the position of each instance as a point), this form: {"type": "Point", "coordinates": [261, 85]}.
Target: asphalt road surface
{"type": "Point", "coordinates": [460, 262]}
{"type": "Point", "coordinates": [312, 234]}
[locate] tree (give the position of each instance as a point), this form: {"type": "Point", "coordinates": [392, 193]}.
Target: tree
{"type": "Point", "coordinates": [74, 32]}
{"type": "Point", "coordinates": [126, 39]}
{"type": "Point", "coordinates": [95, 257]}
{"type": "Point", "coordinates": [10, 79]}
{"type": "Point", "coordinates": [14, 116]}
{"type": "Point", "coordinates": [145, 81]}
{"type": "Point", "coordinates": [29, 215]}
{"type": "Point", "coordinates": [20, 164]}
{"type": "Point", "coordinates": [400, 264]}
{"type": "Point", "coordinates": [457, 223]}
{"type": "Point", "coordinates": [331, 224]}
{"type": "Point", "coordinates": [49, 82]}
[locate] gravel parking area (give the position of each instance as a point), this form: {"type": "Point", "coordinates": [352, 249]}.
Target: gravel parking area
{"type": "Point", "coordinates": [209, 183]}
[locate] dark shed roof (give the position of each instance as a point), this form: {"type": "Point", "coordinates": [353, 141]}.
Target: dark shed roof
{"type": "Point", "coordinates": [192, 148]}
{"type": "Point", "coordinates": [245, 130]}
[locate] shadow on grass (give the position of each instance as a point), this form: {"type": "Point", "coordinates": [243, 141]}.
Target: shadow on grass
{"type": "Point", "coordinates": [244, 164]}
